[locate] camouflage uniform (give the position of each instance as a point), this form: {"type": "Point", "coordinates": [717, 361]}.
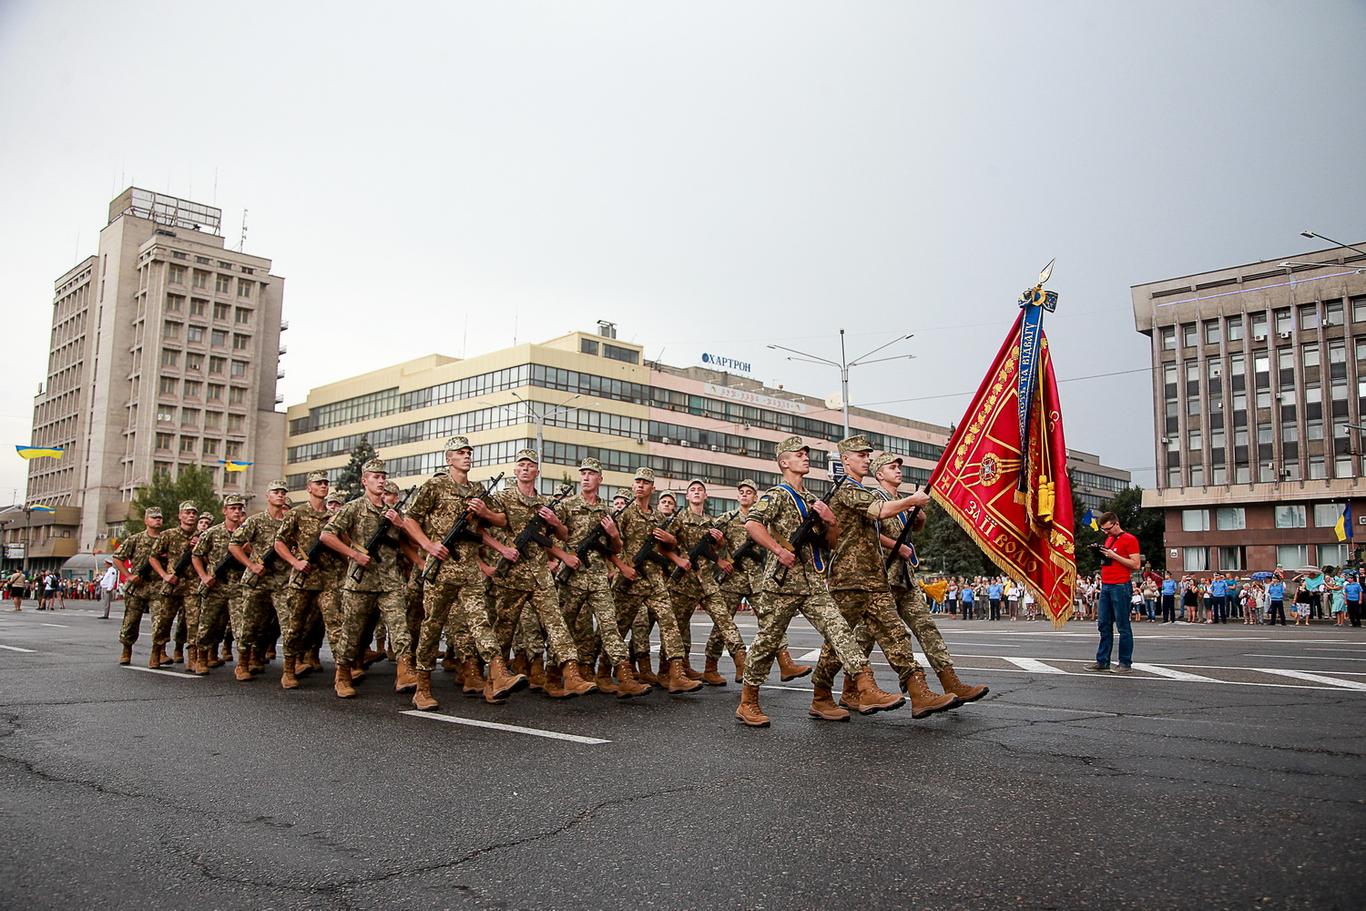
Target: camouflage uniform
{"type": "Point", "coordinates": [174, 600]}
{"type": "Point", "coordinates": [858, 584]}
{"type": "Point", "coordinates": [586, 596]}
{"type": "Point", "coordinates": [460, 585]}
{"type": "Point", "coordinates": [803, 590]}
{"type": "Point", "coordinates": [699, 586]}
{"type": "Point", "coordinates": [527, 581]}
{"type": "Point", "coordinates": [741, 584]}
{"type": "Point", "coordinates": [251, 625]}
{"type": "Point", "coordinates": [910, 601]}
{"type": "Point", "coordinates": [138, 593]}
{"type": "Point", "coordinates": [645, 601]}
{"type": "Point", "coordinates": [211, 549]}
{"type": "Point", "coordinates": [380, 590]}
{"type": "Point", "coordinates": [299, 602]}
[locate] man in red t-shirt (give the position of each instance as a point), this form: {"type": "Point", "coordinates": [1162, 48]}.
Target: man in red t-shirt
{"type": "Point", "coordinates": [1119, 560]}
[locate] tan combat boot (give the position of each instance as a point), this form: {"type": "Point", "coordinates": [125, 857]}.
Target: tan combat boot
{"type": "Point", "coordinates": [823, 706]}
{"type": "Point", "coordinates": [288, 679]}
{"type": "Point", "coordinates": [677, 679]}
{"type": "Point", "coordinates": [871, 699]}
{"type": "Point", "coordinates": [214, 660]}
{"type": "Point", "coordinates": [162, 657]}
{"type": "Point", "coordinates": [740, 658]}
{"type": "Point", "coordinates": [948, 679]}
{"type": "Point", "coordinates": [606, 685]}
{"type": "Point", "coordinates": [574, 682]}
{"type": "Point", "coordinates": [269, 655]}
{"type": "Point", "coordinates": [357, 673]}
{"type": "Point", "coordinates": [405, 680]}
{"type": "Point", "coordinates": [628, 686]}
{"type": "Point", "coordinates": [471, 678]}
{"type": "Point", "coordinates": [925, 701]}
{"type": "Point", "coordinates": [449, 662]}
{"type": "Point", "coordinates": [242, 672]}
{"type": "Point", "coordinates": [179, 653]}
{"type": "Point", "coordinates": [691, 672]}
{"type": "Point", "coordinates": [154, 659]}
{"type": "Point", "coordinates": [643, 672]}
{"type": "Point", "coordinates": [422, 697]}
{"type": "Point", "coordinates": [255, 665]}
{"type": "Point", "coordinates": [749, 711]}
{"type": "Point", "coordinates": [342, 684]}
{"type": "Point", "coordinates": [554, 683]}
{"type": "Point", "coordinates": [198, 664]}
{"type": "Point", "coordinates": [126, 656]}
{"type": "Point", "coordinates": [303, 665]}
{"type": "Point", "coordinates": [711, 676]}
{"type": "Point", "coordinates": [789, 669]}
{"type": "Point", "coordinates": [502, 682]}
{"type": "Point", "coordinates": [536, 673]}
{"type": "Point", "coordinates": [848, 698]}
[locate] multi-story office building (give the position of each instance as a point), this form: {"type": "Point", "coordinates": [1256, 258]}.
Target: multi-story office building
{"type": "Point", "coordinates": [1259, 392]}
{"type": "Point", "coordinates": [165, 349]}
{"type": "Point", "coordinates": [586, 394]}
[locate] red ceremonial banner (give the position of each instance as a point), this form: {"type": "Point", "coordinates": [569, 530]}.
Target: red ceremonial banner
{"type": "Point", "coordinates": [1026, 530]}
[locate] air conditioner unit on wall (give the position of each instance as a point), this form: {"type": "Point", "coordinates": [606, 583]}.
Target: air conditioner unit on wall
{"type": "Point", "coordinates": [1259, 338]}
{"type": "Point", "coordinates": [1285, 335]}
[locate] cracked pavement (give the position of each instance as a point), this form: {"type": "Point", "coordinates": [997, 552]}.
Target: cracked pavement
{"type": "Point", "coordinates": [131, 789]}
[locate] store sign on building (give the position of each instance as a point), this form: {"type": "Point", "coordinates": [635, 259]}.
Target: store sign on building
{"type": "Point", "coordinates": [758, 400]}
{"type": "Point", "coordinates": [730, 364]}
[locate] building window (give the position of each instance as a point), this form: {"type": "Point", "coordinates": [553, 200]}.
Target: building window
{"type": "Point", "coordinates": [1188, 335]}
{"type": "Point", "coordinates": [1195, 520]}
{"type": "Point", "coordinates": [221, 311]}
{"type": "Point", "coordinates": [1258, 326]}
{"type": "Point", "coordinates": [1231, 559]}
{"type": "Point", "coordinates": [617, 353]}
{"type": "Point", "coordinates": [168, 386]}
{"type": "Point", "coordinates": [170, 329]}
{"type": "Point", "coordinates": [240, 342]}
{"type": "Point", "coordinates": [242, 316]}
{"type": "Point", "coordinates": [244, 288]}
{"type": "Point", "coordinates": [1359, 309]}
{"type": "Point", "coordinates": [239, 369]}
{"type": "Point", "coordinates": [1309, 316]}
{"type": "Point", "coordinates": [1334, 554]}
{"type": "Point", "coordinates": [1290, 515]}
{"type": "Point", "coordinates": [223, 284]}
{"type": "Point", "coordinates": [195, 334]}
{"type": "Point", "coordinates": [187, 444]}
{"type": "Point", "coordinates": [1326, 514]}
{"type": "Point", "coordinates": [164, 440]}
{"type": "Point", "coordinates": [1292, 556]}
{"type": "Point", "coordinates": [189, 417]}
{"type": "Point", "coordinates": [216, 365]}
{"type": "Point", "coordinates": [201, 278]}
{"type": "Point", "coordinates": [1230, 518]}
{"type": "Point", "coordinates": [1309, 356]}
{"type": "Point", "coordinates": [1332, 313]}
{"type": "Point", "coordinates": [199, 307]}
{"type": "Point", "coordinates": [194, 362]}
{"type": "Point", "coordinates": [169, 358]}
{"type": "Point", "coordinates": [213, 419]}
{"type": "Point", "coordinates": [235, 423]}
{"type": "Point", "coordinates": [215, 393]}
{"type": "Point", "coordinates": [175, 274]}
{"type": "Point", "coordinates": [236, 395]}
{"type": "Point", "coordinates": [1282, 317]}
{"type": "Point", "coordinates": [590, 346]}
{"type": "Point", "coordinates": [1173, 477]}
{"type": "Point", "coordinates": [1212, 333]}
{"type": "Point", "coordinates": [193, 388]}
{"type": "Point", "coordinates": [1193, 440]}
{"type": "Point", "coordinates": [210, 447]}
{"type": "Point", "coordinates": [1317, 469]}
{"type": "Point", "coordinates": [174, 302]}
{"type": "Point", "coordinates": [1234, 328]}
{"type": "Point", "coordinates": [231, 450]}
{"type": "Point", "coordinates": [1195, 559]}
{"type": "Point", "coordinates": [1197, 476]}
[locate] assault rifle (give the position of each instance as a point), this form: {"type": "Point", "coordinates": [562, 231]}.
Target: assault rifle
{"type": "Point", "coordinates": [895, 553]}
{"type": "Point", "coordinates": [315, 552]}
{"type": "Point", "coordinates": [591, 542]}
{"type": "Point", "coordinates": [182, 566]}
{"type": "Point", "coordinates": [377, 539]}
{"type": "Point", "coordinates": [249, 578]}
{"type": "Point", "coordinates": [459, 531]}
{"type": "Point", "coordinates": [705, 547]}
{"type": "Point", "coordinates": [747, 551]}
{"type": "Point", "coordinates": [533, 533]}
{"type": "Point", "coordinates": [647, 553]}
{"type": "Point", "coordinates": [805, 533]}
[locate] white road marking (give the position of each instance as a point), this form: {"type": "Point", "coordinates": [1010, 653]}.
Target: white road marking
{"type": "Point", "coordinates": [157, 670]}
{"type": "Point", "coordinates": [1354, 651]}
{"type": "Point", "coordinates": [1313, 678]}
{"type": "Point", "coordinates": [1172, 674]}
{"type": "Point", "coordinates": [1306, 657]}
{"type": "Point", "coordinates": [1031, 664]}
{"type": "Point", "coordinates": [57, 625]}
{"type": "Point", "coordinates": [511, 728]}
{"type": "Point", "coordinates": [809, 656]}
{"type": "Point", "coordinates": [15, 648]}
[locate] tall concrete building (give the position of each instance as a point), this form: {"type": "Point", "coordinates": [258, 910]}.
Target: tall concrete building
{"type": "Point", "coordinates": [164, 353]}
{"type": "Point", "coordinates": [1259, 393]}
{"type": "Point", "coordinates": [591, 394]}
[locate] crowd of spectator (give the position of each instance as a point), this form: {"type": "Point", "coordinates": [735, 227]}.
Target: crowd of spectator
{"type": "Point", "coordinates": [50, 590]}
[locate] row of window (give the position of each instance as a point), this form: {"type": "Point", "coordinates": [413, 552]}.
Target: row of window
{"type": "Point", "coordinates": [1234, 558]}
{"type": "Point", "coordinates": [175, 303]}
{"type": "Point", "coordinates": [1283, 320]}
{"type": "Point", "coordinates": [196, 418]}
{"type": "Point", "coordinates": [171, 387]}
{"type": "Point", "coordinates": [194, 362]}
{"type": "Point", "coordinates": [223, 284]}
{"type": "Point", "coordinates": [1287, 515]}
{"type": "Point", "coordinates": [218, 338]}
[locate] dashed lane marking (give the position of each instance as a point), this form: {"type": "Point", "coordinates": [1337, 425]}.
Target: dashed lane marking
{"type": "Point", "coordinates": [1171, 674]}
{"type": "Point", "coordinates": [1306, 657]}
{"type": "Point", "coordinates": [157, 670]}
{"type": "Point", "coordinates": [15, 648]}
{"type": "Point", "coordinates": [510, 728]}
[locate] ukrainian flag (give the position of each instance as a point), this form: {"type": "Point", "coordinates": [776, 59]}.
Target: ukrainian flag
{"type": "Point", "coordinates": [1089, 520]}
{"type": "Point", "coordinates": [234, 464]}
{"type": "Point", "coordinates": [39, 452]}
{"type": "Point", "coordinates": [1344, 526]}
{"type": "Point", "coordinates": [40, 507]}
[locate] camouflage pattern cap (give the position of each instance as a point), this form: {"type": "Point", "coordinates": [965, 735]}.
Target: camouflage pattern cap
{"type": "Point", "coordinates": [315, 476]}
{"type": "Point", "coordinates": [881, 461]}
{"type": "Point", "coordinates": [791, 444]}
{"type": "Point", "coordinates": [234, 499]}
{"type": "Point", "coordinates": [645, 474]}
{"type": "Point", "coordinates": [590, 464]}
{"type": "Point", "coordinates": [391, 487]}
{"type": "Point", "coordinates": [668, 495]}
{"type": "Point", "coordinates": [856, 443]}
{"type": "Point", "coordinates": [748, 482]}
{"type": "Point", "coordinates": [335, 496]}
{"type": "Point", "coordinates": [374, 466]}
{"type": "Point", "coordinates": [152, 512]}
{"type": "Point", "coordinates": [188, 506]}
{"type": "Point", "coordinates": [697, 481]}
{"type": "Point", "coordinates": [278, 485]}
{"type": "Point", "coordinates": [527, 455]}
{"type": "Point", "coordinates": [457, 443]}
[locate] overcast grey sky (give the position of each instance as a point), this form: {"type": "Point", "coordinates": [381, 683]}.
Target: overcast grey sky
{"type": "Point", "coordinates": [710, 176]}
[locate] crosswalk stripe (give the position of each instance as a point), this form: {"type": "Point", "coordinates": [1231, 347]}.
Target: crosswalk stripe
{"type": "Point", "coordinates": [1031, 664]}
{"type": "Point", "coordinates": [1172, 674]}
{"type": "Point", "coordinates": [1312, 678]}
{"type": "Point", "coordinates": [810, 656]}
{"type": "Point", "coordinates": [15, 648]}
{"type": "Point", "coordinates": [510, 728]}
{"type": "Point", "coordinates": [157, 670]}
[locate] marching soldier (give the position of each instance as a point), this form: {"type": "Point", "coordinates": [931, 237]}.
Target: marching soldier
{"type": "Point", "coordinates": [373, 584]}
{"type": "Point", "coordinates": [253, 545]}
{"type": "Point", "coordinates": [297, 601]}
{"type": "Point", "coordinates": [177, 582]}
{"type": "Point", "coordinates": [411, 567]}
{"type": "Point", "coordinates": [185, 631]}
{"type": "Point", "coordinates": [434, 512]}
{"type": "Point", "coordinates": [217, 583]}
{"type": "Point", "coordinates": [858, 583]}
{"type": "Point", "coordinates": [330, 568]}
{"type": "Point", "coordinates": [641, 595]}
{"type": "Point", "coordinates": [134, 553]}
{"type": "Point", "coordinates": [794, 582]}
{"type": "Point", "coordinates": [696, 584]}
{"type": "Point", "coordinates": [906, 589]}
{"type": "Point", "coordinates": [586, 595]}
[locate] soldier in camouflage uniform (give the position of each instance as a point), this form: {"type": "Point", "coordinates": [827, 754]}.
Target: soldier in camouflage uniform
{"type": "Point", "coordinates": [379, 590]}
{"type": "Point", "coordinates": [910, 597]}
{"type": "Point", "coordinates": [794, 582]}
{"type": "Point", "coordinates": [411, 567]}
{"type": "Point", "coordinates": [526, 580]}
{"type": "Point", "coordinates": [858, 583]}
{"type": "Point", "coordinates": [586, 594]}
{"type": "Point", "coordinates": [296, 602]}
{"type": "Point", "coordinates": [184, 631]}
{"type": "Point", "coordinates": [642, 597]}
{"type": "Point", "coordinates": [697, 585]}
{"type": "Point", "coordinates": [253, 544]}
{"type": "Point", "coordinates": [177, 588]}
{"type": "Point", "coordinates": [741, 583]}
{"type": "Point", "coordinates": [218, 573]}
{"type": "Point", "coordinates": [331, 567]}
{"type": "Point", "coordinates": [459, 584]}
{"type": "Point", "coordinates": [132, 560]}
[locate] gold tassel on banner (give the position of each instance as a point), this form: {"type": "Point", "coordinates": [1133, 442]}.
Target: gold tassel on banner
{"type": "Point", "coordinates": [1046, 498]}
{"type": "Point", "coordinates": [936, 590]}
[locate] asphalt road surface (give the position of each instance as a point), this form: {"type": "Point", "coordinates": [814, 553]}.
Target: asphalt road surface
{"type": "Point", "coordinates": [1226, 772]}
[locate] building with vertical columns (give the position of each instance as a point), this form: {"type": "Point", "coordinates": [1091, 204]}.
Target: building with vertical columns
{"type": "Point", "coordinates": [164, 353]}
{"type": "Point", "coordinates": [1259, 394]}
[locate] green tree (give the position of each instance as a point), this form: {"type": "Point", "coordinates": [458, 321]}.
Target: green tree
{"type": "Point", "coordinates": [1088, 561]}
{"type": "Point", "coordinates": [193, 483]}
{"type": "Point", "coordinates": [348, 482]}
{"type": "Point", "coordinates": [945, 548]}
{"type": "Point", "coordinates": [1144, 524]}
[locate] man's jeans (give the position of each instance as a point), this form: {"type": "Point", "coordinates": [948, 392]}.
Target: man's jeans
{"type": "Point", "coordinates": [1113, 610]}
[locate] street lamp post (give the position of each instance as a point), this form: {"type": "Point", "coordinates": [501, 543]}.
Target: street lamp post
{"type": "Point", "coordinates": [843, 365]}
{"type": "Point", "coordinates": [1337, 243]}
{"type": "Point", "coordinates": [539, 418]}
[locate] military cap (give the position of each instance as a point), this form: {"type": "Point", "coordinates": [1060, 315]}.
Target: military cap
{"type": "Point", "coordinates": [188, 506]}
{"type": "Point", "coordinates": [317, 476]}
{"type": "Point", "coordinates": [234, 499]}
{"type": "Point", "coordinates": [527, 455]}
{"type": "Point", "coordinates": [391, 487]}
{"type": "Point", "coordinates": [697, 481]}
{"type": "Point", "coordinates": [374, 466]}
{"type": "Point", "coordinates": [455, 443]}
{"type": "Point", "coordinates": [748, 482]}
{"type": "Point", "coordinates": [856, 443]}
{"type": "Point", "coordinates": [669, 494]}
{"type": "Point", "coordinates": [590, 464]}
{"type": "Point", "coordinates": [791, 444]}
{"type": "Point", "coordinates": [278, 485]}
{"type": "Point", "coordinates": [443, 471]}
{"type": "Point", "coordinates": [880, 461]}
{"type": "Point", "coordinates": [335, 496]}
{"type": "Point", "coordinates": [152, 512]}
{"type": "Point", "coordinates": [645, 474]}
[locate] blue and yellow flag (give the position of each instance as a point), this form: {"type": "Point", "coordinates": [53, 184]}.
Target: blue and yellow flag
{"type": "Point", "coordinates": [1090, 522]}
{"type": "Point", "coordinates": [1343, 528]}
{"type": "Point", "coordinates": [234, 464]}
{"type": "Point", "coordinates": [39, 452]}
{"type": "Point", "coordinates": [40, 507]}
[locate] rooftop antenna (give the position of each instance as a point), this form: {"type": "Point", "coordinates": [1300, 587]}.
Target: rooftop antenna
{"type": "Point", "coordinates": [242, 242]}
